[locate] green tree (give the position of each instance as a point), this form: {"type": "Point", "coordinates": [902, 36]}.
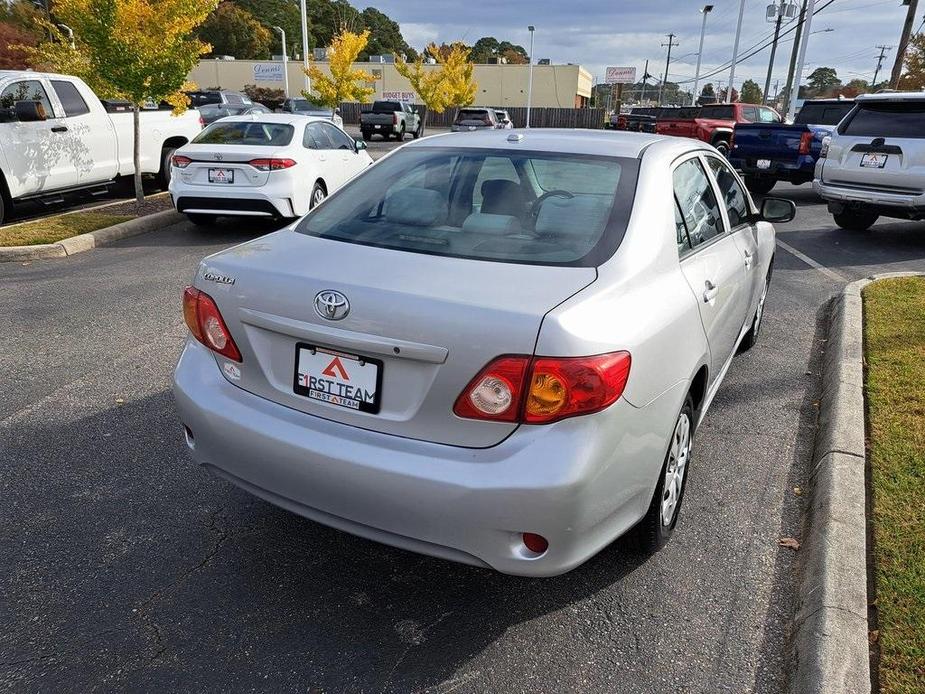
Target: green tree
{"type": "Point", "coordinates": [913, 75]}
{"type": "Point", "coordinates": [384, 35]}
{"type": "Point", "coordinates": [855, 87]}
{"type": "Point", "coordinates": [751, 93]}
{"type": "Point", "coordinates": [138, 50]}
{"type": "Point", "coordinates": [232, 30]}
{"type": "Point", "coordinates": [281, 13]}
{"type": "Point", "coordinates": [484, 49]}
{"type": "Point", "coordinates": [327, 18]}
{"type": "Point", "coordinates": [823, 81]}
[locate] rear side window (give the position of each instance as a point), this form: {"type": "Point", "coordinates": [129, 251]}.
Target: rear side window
{"type": "Point", "coordinates": [733, 194]}
{"type": "Point", "coordinates": [204, 98]}
{"type": "Point", "coordinates": [699, 209]}
{"type": "Point", "coordinates": [898, 119]}
{"type": "Point", "coordinates": [386, 107]}
{"type": "Point", "coordinates": [71, 100]}
{"type": "Point", "coordinates": [718, 112]}
{"type": "Point", "coordinates": [339, 139]}
{"type": "Point", "coordinates": [249, 133]}
{"type": "Point", "coordinates": [518, 207]}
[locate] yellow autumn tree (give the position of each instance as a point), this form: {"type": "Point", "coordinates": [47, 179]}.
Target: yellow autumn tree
{"type": "Point", "coordinates": [344, 82]}
{"type": "Point", "coordinates": [457, 74]}
{"type": "Point", "coordinates": [139, 50]}
{"type": "Point", "coordinates": [913, 75]}
{"type": "Point", "coordinates": [427, 81]}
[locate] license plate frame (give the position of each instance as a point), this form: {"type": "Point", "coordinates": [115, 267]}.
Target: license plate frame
{"type": "Point", "coordinates": [227, 173]}
{"type": "Point", "coordinates": [874, 160]}
{"type": "Point", "coordinates": [334, 394]}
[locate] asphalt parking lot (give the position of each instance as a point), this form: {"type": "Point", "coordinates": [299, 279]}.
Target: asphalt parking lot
{"type": "Point", "coordinates": [125, 567]}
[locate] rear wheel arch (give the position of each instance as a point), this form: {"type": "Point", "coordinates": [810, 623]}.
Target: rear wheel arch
{"type": "Point", "coordinates": [698, 389]}
{"type": "Point", "coordinates": [320, 181]}
{"type": "Point", "coordinates": [170, 145]}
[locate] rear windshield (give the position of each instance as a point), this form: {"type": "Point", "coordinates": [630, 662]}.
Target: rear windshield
{"type": "Point", "coordinates": [897, 119]}
{"type": "Point", "coordinates": [519, 207]}
{"type": "Point", "coordinates": [823, 114]}
{"type": "Point", "coordinates": [718, 112]}
{"type": "Point", "coordinates": [472, 114]}
{"type": "Point", "coordinates": [249, 133]}
{"type": "Point", "coordinates": [386, 107]}
{"type": "Point", "coordinates": [204, 98]}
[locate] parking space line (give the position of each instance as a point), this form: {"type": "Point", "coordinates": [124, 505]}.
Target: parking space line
{"type": "Point", "coordinates": [831, 274]}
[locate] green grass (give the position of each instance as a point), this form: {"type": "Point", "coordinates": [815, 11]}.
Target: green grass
{"type": "Point", "coordinates": [52, 229]}
{"type": "Point", "coordinates": [894, 315]}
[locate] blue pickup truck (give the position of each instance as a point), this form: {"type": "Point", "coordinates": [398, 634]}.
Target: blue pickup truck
{"type": "Point", "coordinates": [766, 153]}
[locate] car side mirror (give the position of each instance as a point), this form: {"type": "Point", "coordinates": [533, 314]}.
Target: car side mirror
{"type": "Point", "coordinates": [30, 111]}
{"type": "Point", "coordinates": [360, 145]}
{"type": "Point", "coordinates": [777, 210]}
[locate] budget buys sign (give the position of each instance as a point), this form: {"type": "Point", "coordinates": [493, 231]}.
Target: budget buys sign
{"type": "Point", "coordinates": [620, 75]}
{"type": "Point", "coordinates": [268, 72]}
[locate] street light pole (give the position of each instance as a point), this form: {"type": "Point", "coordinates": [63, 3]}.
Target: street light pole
{"type": "Point", "coordinates": [531, 29]}
{"type": "Point", "coordinates": [735, 51]}
{"type": "Point", "coordinates": [801, 58]}
{"type": "Point", "coordinates": [282, 37]}
{"type": "Point", "coordinates": [777, 22]}
{"type": "Point", "coordinates": [703, 29]}
{"type": "Point", "coordinates": [304, 10]}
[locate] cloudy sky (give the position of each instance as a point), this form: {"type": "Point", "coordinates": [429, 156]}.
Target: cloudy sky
{"type": "Point", "coordinates": [596, 33]}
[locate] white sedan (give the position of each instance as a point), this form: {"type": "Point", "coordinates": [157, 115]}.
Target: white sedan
{"type": "Point", "coordinates": [263, 165]}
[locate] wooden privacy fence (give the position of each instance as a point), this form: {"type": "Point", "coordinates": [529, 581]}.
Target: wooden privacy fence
{"type": "Point", "coordinates": [539, 117]}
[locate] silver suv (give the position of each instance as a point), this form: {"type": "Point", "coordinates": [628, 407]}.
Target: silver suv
{"type": "Point", "coordinates": [874, 163]}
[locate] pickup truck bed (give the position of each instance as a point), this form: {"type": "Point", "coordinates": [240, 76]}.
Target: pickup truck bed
{"type": "Point", "coordinates": [766, 153]}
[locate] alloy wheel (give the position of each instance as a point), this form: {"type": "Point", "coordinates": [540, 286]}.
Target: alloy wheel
{"type": "Point", "coordinates": [675, 469]}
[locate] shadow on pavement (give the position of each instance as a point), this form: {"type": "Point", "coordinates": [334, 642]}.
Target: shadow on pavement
{"type": "Point", "coordinates": [129, 565]}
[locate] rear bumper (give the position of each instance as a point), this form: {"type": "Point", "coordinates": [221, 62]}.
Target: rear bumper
{"type": "Point", "coordinates": [379, 129]}
{"type": "Point", "coordinates": [799, 171]}
{"type": "Point", "coordinates": [906, 205]}
{"type": "Point", "coordinates": [580, 483]}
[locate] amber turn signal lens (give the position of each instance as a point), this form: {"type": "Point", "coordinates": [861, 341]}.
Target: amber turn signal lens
{"type": "Point", "coordinates": [548, 394]}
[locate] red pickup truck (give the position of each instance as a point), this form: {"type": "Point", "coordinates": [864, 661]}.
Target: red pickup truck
{"type": "Point", "coordinates": [714, 123]}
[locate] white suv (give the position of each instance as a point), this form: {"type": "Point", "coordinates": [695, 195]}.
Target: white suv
{"type": "Point", "coordinates": [874, 163]}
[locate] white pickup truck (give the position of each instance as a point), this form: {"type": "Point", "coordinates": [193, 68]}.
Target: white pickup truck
{"type": "Point", "coordinates": [56, 136]}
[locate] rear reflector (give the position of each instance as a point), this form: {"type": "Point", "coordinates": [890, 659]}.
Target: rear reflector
{"type": "Point", "coordinates": [205, 323]}
{"type": "Point", "coordinates": [535, 543]}
{"type": "Point", "coordinates": [272, 164]}
{"type": "Point", "coordinates": [542, 390]}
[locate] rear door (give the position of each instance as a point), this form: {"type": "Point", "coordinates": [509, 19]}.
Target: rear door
{"type": "Point", "coordinates": [329, 158]}
{"type": "Point", "coordinates": [880, 145]}
{"type": "Point", "coordinates": [89, 133]}
{"type": "Point", "coordinates": [343, 150]}
{"type": "Point", "coordinates": [711, 261]}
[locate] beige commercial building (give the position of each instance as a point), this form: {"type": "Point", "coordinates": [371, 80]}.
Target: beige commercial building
{"type": "Point", "coordinates": [557, 86]}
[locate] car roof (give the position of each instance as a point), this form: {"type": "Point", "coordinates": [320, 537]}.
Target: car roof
{"type": "Point", "coordinates": [606, 142]}
{"type": "Point", "coordinates": [285, 118]}
{"type": "Point", "coordinates": [892, 96]}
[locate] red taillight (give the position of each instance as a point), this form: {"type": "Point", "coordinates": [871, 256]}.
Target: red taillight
{"type": "Point", "coordinates": [542, 390]}
{"type": "Point", "coordinates": [202, 122]}
{"type": "Point", "coordinates": [806, 141]}
{"type": "Point", "coordinates": [205, 323]}
{"type": "Point", "coordinates": [394, 119]}
{"type": "Point", "coordinates": [272, 164]}
{"type": "Point", "coordinates": [180, 161]}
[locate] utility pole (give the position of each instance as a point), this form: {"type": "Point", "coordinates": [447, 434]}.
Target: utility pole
{"type": "Point", "coordinates": [801, 58]}
{"type": "Point", "coordinates": [797, 40]}
{"type": "Point", "coordinates": [903, 43]}
{"type": "Point", "coordinates": [645, 76]}
{"type": "Point", "coordinates": [883, 50]}
{"type": "Point", "coordinates": [777, 23]}
{"type": "Point", "coordinates": [671, 42]}
{"type": "Point", "coordinates": [735, 50]}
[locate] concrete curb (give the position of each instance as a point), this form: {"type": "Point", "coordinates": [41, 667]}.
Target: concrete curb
{"type": "Point", "coordinates": [85, 242]}
{"type": "Point", "coordinates": [830, 627]}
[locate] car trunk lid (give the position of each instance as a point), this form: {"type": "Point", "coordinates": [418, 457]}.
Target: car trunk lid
{"type": "Point", "coordinates": [430, 322]}
{"type": "Point", "coordinates": [226, 166]}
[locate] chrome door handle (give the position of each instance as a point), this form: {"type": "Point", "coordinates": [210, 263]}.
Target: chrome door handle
{"type": "Point", "coordinates": [749, 259]}
{"type": "Point", "coordinates": [710, 292]}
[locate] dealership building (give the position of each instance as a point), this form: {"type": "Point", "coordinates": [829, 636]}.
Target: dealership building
{"type": "Point", "coordinates": [501, 85]}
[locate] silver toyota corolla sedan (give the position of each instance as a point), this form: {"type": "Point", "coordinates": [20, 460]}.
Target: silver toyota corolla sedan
{"type": "Point", "coordinates": [490, 347]}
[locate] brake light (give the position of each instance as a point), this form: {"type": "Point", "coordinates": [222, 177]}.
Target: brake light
{"type": "Point", "coordinates": [824, 152]}
{"type": "Point", "coordinates": [542, 390]}
{"type": "Point", "coordinates": [394, 119]}
{"type": "Point", "coordinates": [272, 164]}
{"type": "Point", "coordinates": [205, 323]}
{"type": "Point", "coordinates": [180, 161]}
{"type": "Point", "coordinates": [806, 141]}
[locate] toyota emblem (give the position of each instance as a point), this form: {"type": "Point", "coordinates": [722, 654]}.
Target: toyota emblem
{"type": "Point", "coordinates": [331, 305]}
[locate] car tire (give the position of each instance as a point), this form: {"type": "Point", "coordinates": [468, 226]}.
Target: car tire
{"type": "Point", "coordinates": [367, 136]}
{"type": "Point", "coordinates": [656, 528]}
{"type": "Point", "coordinates": [201, 220]}
{"type": "Point", "coordinates": [855, 220]}
{"type": "Point", "coordinates": [417, 133]}
{"type": "Point", "coordinates": [751, 337]}
{"type": "Point", "coordinates": [401, 134]}
{"type": "Point", "coordinates": [163, 176]}
{"type": "Point", "coordinates": [762, 185]}
{"type": "Point", "coordinates": [319, 193]}
{"type": "Point", "coordinates": [722, 147]}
